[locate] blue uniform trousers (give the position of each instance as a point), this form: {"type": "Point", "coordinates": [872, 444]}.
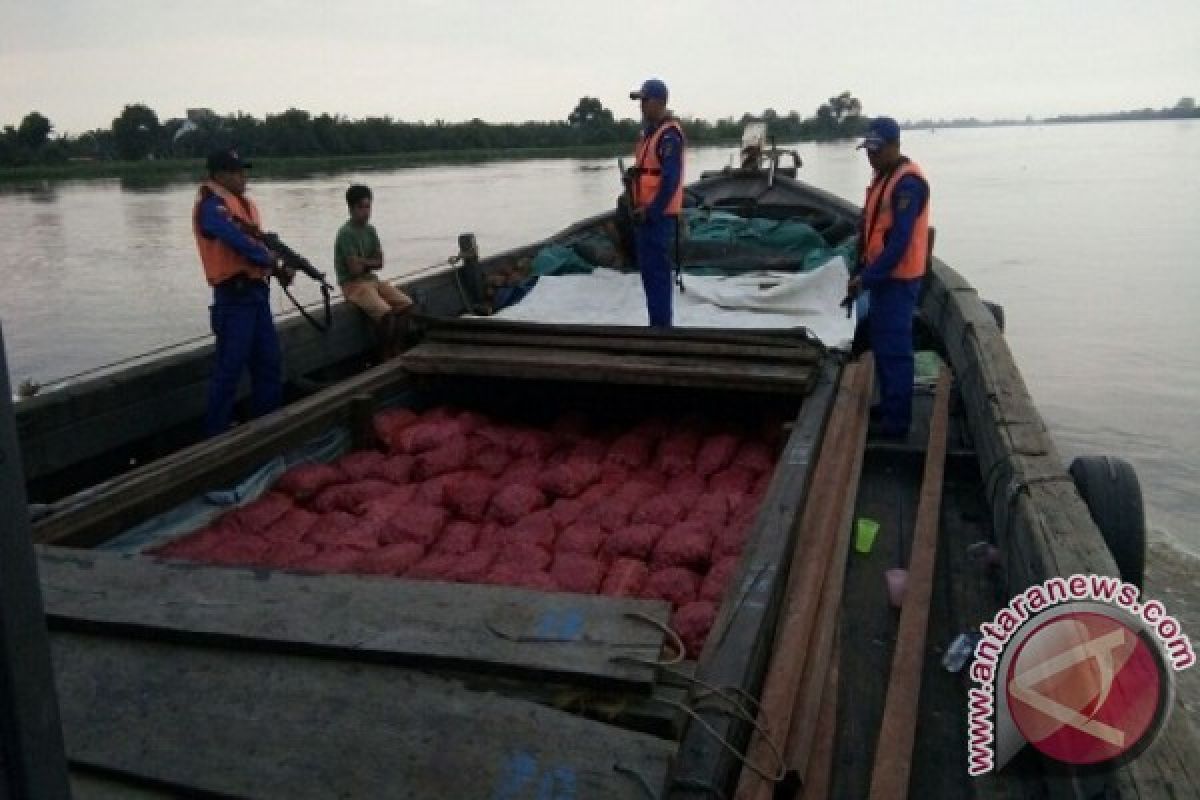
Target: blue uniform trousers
{"type": "Point", "coordinates": [246, 338]}
{"type": "Point", "coordinates": [889, 325]}
{"type": "Point", "coordinates": [655, 243]}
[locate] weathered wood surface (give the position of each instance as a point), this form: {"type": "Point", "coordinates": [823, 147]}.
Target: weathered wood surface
{"type": "Point", "coordinates": [245, 724]}
{"type": "Point", "coordinates": [434, 358]}
{"type": "Point", "coordinates": [818, 776]}
{"type": "Point", "coordinates": [490, 628]}
{"type": "Point", "coordinates": [804, 738]}
{"type": "Point", "coordinates": [761, 337]}
{"type": "Point", "coordinates": [1042, 526]}
{"type": "Point", "coordinates": [645, 345]}
{"type": "Point", "coordinates": [96, 514]}
{"type": "Point", "coordinates": [817, 558]}
{"type": "Point", "coordinates": [893, 756]}
{"type": "Point", "coordinates": [739, 644]}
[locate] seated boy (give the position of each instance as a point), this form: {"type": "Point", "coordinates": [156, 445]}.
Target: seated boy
{"type": "Point", "coordinates": [357, 256]}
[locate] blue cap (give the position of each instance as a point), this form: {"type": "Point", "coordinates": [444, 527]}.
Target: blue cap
{"type": "Point", "coordinates": [881, 131]}
{"type": "Point", "coordinates": [226, 160]}
{"type": "Point", "coordinates": [653, 89]}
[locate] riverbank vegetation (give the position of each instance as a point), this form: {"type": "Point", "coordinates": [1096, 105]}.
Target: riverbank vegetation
{"type": "Point", "coordinates": [139, 143]}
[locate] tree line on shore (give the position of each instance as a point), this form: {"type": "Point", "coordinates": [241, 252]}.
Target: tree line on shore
{"type": "Point", "coordinates": [138, 134]}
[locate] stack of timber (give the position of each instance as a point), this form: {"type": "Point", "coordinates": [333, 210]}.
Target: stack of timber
{"type": "Point", "coordinates": [774, 361]}
{"type": "Point", "coordinates": [801, 680]}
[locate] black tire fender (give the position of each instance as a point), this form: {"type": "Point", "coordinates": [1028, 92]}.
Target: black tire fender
{"type": "Point", "coordinates": [1110, 489]}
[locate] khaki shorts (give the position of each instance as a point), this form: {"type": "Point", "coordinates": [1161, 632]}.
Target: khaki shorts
{"type": "Point", "coordinates": [376, 297]}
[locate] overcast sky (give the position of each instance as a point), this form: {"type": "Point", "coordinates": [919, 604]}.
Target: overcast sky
{"type": "Point", "coordinates": [80, 61]}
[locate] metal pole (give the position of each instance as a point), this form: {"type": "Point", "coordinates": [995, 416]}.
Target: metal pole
{"type": "Point", "coordinates": [32, 758]}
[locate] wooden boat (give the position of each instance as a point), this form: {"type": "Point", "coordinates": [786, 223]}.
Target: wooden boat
{"type": "Point", "coordinates": [251, 682]}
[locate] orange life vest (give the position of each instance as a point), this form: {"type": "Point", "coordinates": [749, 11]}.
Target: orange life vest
{"type": "Point", "coordinates": [220, 261]}
{"type": "Point", "coordinates": [648, 169]}
{"type": "Point", "coordinates": [878, 220]}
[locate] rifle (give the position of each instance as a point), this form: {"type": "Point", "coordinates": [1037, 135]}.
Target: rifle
{"type": "Point", "coordinates": [292, 260]}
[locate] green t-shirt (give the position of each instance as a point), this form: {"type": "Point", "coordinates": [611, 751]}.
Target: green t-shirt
{"type": "Point", "coordinates": [353, 240]}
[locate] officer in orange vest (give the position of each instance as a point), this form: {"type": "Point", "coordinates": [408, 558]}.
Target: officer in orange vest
{"type": "Point", "coordinates": [657, 189]}
{"type": "Point", "coordinates": [238, 267]}
{"type": "Point", "coordinates": [893, 249]}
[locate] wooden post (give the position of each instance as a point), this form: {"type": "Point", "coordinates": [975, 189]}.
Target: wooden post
{"type": "Point", "coordinates": [893, 755]}
{"type": "Point", "coordinates": [472, 277]}
{"type": "Point", "coordinates": [32, 759]}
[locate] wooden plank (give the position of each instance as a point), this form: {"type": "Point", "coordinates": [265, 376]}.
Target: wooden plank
{"type": "Point", "coordinates": [792, 354]}
{"type": "Point", "coordinates": [570, 637]}
{"type": "Point", "coordinates": [867, 623]}
{"type": "Point", "coordinates": [527, 362]}
{"type": "Point", "coordinates": [813, 562]}
{"type": "Point", "coordinates": [893, 756]}
{"type": "Point", "coordinates": [765, 337]}
{"type": "Point", "coordinates": [818, 777]}
{"type": "Point", "coordinates": [31, 746]}
{"type": "Point", "coordinates": [740, 641]}
{"type": "Point", "coordinates": [820, 654]}
{"type": "Point", "coordinates": [101, 512]}
{"type": "Point", "coordinates": [253, 725]}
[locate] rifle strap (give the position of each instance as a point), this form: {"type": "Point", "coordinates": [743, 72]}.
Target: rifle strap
{"type": "Point", "coordinates": [328, 308]}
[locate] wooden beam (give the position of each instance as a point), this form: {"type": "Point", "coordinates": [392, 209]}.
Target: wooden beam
{"type": "Point", "coordinates": [739, 644]}
{"type": "Point", "coordinates": [568, 637]}
{"type": "Point", "coordinates": [762, 337]}
{"type": "Point", "coordinates": [31, 746]}
{"type": "Point", "coordinates": [790, 353]}
{"type": "Point", "coordinates": [98, 513]}
{"type": "Point", "coordinates": [804, 735]}
{"type": "Point", "coordinates": [813, 566]}
{"type": "Point", "coordinates": [244, 724]}
{"type": "Point", "coordinates": [818, 775]}
{"type": "Point", "coordinates": [893, 755]}
{"type": "Point", "coordinates": [433, 358]}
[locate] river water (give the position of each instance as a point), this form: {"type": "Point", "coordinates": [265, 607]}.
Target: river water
{"type": "Point", "coordinates": [1084, 233]}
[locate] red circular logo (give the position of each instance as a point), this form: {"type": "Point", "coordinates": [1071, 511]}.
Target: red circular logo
{"type": "Point", "coordinates": [1085, 688]}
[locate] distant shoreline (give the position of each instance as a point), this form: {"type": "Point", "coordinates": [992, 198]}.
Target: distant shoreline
{"type": "Point", "coordinates": [1147, 115]}
{"type": "Point", "coordinates": [160, 170]}
{"type": "Point", "coordinates": [193, 168]}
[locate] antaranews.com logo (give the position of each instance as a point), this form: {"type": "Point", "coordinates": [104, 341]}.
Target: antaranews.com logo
{"type": "Point", "coordinates": [1078, 667]}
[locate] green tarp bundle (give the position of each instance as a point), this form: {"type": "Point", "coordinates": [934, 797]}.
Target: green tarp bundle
{"type": "Point", "coordinates": [715, 243]}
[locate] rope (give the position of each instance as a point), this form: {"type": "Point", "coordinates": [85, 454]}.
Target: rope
{"type": "Point", "coordinates": [676, 644]}
{"type": "Point", "coordinates": [207, 336]}
{"type": "Point", "coordinates": [774, 777]}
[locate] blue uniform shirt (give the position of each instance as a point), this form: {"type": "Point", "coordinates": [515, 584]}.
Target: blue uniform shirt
{"type": "Point", "coordinates": [909, 196]}
{"type": "Point", "coordinates": [670, 155]}
{"type": "Point", "coordinates": [217, 224]}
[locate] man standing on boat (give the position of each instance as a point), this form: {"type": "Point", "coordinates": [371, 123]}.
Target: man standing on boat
{"type": "Point", "coordinates": [893, 249]}
{"type": "Point", "coordinates": [238, 266]}
{"type": "Point", "coordinates": [657, 188]}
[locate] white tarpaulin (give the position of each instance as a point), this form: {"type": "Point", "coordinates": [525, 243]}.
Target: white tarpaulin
{"type": "Point", "coordinates": [749, 300]}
